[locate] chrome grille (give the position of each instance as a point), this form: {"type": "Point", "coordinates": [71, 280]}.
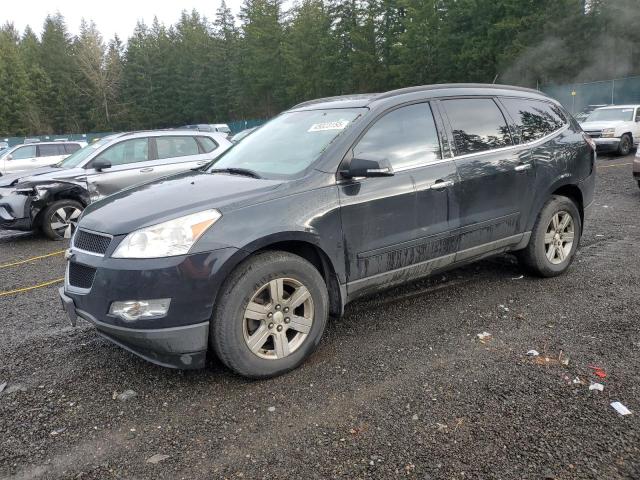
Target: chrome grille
{"type": "Point", "coordinates": [91, 242]}
{"type": "Point", "coordinates": [81, 276]}
{"type": "Point", "coordinates": [594, 133]}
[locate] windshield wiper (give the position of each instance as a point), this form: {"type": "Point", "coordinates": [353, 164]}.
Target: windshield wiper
{"type": "Point", "coordinates": [237, 171]}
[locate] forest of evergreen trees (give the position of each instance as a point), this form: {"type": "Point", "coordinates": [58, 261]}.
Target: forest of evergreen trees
{"type": "Point", "coordinates": [268, 58]}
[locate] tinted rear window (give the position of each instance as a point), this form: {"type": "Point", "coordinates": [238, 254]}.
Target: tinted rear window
{"type": "Point", "coordinates": [478, 125]}
{"type": "Point", "coordinates": [534, 119]}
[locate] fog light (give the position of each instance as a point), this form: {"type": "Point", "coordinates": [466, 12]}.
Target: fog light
{"type": "Point", "coordinates": [140, 309]}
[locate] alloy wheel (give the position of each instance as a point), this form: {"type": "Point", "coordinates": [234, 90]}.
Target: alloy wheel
{"type": "Point", "coordinates": [558, 240]}
{"type": "Point", "coordinates": [278, 318]}
{"type": "Point", "coordinates": [64, 221]}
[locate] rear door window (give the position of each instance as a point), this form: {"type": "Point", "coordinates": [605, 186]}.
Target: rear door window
{"type": "Point", "coordinates": [130, 151]}
{"type": "Point", "coordinates": [406, 136]}
{"type": "Point", "coordinates": [170, 147]}
{"type": "Point", "coordinates": [478, 125]}
{"type": "Point", "coordinates": [534, 119]}
{"type": "Point", "coordinates": [50, 150]}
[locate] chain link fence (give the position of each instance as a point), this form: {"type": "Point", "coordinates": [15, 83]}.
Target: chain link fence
{"type": "Point", "coordinates": [235, 127]}
{"type": "Point", "coordinates": [575, 97]}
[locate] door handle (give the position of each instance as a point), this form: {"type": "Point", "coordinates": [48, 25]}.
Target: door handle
{"type": "Point", "coordinates": [441, 185]}
{"type": "Point", "coordinates": [146, 170]}
{"type": "Point", "coordinates": [523, 167]}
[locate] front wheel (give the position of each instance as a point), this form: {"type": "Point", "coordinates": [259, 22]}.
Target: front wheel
{"type": "Point", "coordinates": [270, 315]}
{"type": "Point", "coordinates": [554, 239]}
{"type": "Point", "coordinates": [624, 148]}
{"type": "Point", "coordinates": [59, 219]}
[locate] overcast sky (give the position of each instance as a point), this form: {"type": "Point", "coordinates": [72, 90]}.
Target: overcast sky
{"type": "Point", "coordinates": [111, 16]}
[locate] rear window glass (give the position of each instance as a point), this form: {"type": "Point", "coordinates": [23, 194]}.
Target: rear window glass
{"type": "Point", "coordinates": [534, 119]}
{"type": "Point", "coordinates": [50, 150]}
{"type": "Point", "coordinates": [169, 147]}
{"type": "Point", "coordinates": [478, 125]}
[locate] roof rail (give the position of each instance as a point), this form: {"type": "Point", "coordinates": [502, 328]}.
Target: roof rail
{"type": "Point", "coordinates": [438, 86]}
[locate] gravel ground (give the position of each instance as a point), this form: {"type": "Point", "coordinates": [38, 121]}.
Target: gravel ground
{"type": "Point", "coordinates": [400, 387]}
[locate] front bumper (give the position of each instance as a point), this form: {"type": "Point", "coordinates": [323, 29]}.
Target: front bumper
{"type": "Point", "coordinates": [15, 211]}
{"type": "Point", "coordinates": [607, 144]}
{"type": "Point", "coordinates": [180, 338]}
{"type": "Point", "coordinates": [636, 167]}
{"type": "Point", "coordinates": [182, 347]}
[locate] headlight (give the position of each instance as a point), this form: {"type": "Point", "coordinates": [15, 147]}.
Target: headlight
{"type": "Point", "coordinates": [175, 237]}
{"type": "Point", "coordinates": [609, 132]}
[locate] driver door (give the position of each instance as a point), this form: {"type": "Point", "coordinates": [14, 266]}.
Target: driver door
{"type": "Point", "coordinates": [393, 226]}
{"type": "Point", "coordinates": [21, 159]}
{"type": "Point", "coordinates": [131, 164]}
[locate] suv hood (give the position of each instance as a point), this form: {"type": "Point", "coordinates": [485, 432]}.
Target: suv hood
{"type": "Point", "coordinates": [601, 125]}
{"type": "Point", "coordinates": [41, 175]}
{"type": "Point", "coordinates": [172, 197]}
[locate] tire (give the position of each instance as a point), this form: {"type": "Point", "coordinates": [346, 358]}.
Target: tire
{"type": "Point", "coordinates": [538, 257]}
{"type": "Point", "coordinates": [626, 143]}
{"type": "Point", "coordinates": [59, 219]}
{"type": "Point", "coordinates": [233, 334]}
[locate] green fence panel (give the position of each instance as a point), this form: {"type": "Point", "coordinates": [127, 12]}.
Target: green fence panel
{"type": "Point", "coordinates": [575, 97]}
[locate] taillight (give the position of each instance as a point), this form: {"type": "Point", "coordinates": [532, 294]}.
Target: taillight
{"type": "Point", "coordinates": [589, 141]}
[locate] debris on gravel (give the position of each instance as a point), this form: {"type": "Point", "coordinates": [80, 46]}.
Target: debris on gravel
{"type": "Point", "coordinates": [124, 396]}
{"type": "Point", "coordinates": [157, 458]}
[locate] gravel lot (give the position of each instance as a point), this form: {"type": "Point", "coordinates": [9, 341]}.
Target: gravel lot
{"type": "Point", "coordinates": [400, 387]}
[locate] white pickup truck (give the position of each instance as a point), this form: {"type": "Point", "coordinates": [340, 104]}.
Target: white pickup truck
{"type": "Point", "coordinates": [616, 127]}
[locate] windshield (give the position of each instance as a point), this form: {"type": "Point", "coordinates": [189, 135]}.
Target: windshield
{"type": "Point", "coordinates": [611, 114]}
{"type": "Point", "coordinates": [289, 143]}
{"type": "Point", "coordinates": [79, 156]}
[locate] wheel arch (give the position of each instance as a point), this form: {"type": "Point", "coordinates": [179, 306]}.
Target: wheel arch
{"type": "Point", "coordinates": [305, 245]}
{"type": "Point", "coordinates": [574, 193]}
{"type": "Point", "coordinates": [54, 192]}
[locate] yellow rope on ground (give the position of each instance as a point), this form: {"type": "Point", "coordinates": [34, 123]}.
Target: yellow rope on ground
{"type": "Point", "coordinates": [32, 259]}
{"type": "Point", "coordinates": [616, 165]}
{"type": "Point", "coordinates": [26, 289]}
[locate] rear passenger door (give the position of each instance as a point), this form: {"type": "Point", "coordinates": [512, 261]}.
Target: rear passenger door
{"type": "Point", "coordinates": [50, 154]}
{"type": "Point", "coordinates": [495, 176]}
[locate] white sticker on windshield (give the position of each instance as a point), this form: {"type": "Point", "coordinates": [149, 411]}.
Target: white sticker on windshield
{"type": "Point", "coordinates": [322, 127]}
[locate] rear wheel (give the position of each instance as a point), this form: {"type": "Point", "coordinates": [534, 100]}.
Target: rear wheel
{"type": "Point", "coordinates": [59, 219]}
{"type": "Point", "coordinates": [270, 315]}
{"type": "Point", "coordinates": [554, 239]}
{"type": "Point", "coordinates": [624, 148]}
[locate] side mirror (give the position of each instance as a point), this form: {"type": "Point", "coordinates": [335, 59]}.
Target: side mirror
{"type": "Point", "coordinates": [9, 157]}
{"type": "Point", "coordinates": [100, 165]}
{"type": "Point", "coordinates": [361, 167]}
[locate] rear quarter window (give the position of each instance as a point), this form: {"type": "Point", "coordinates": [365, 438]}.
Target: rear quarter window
{"type": "Point", "coordinates": [207, 144]}
{"type": "Point", "coordinates": [71, 147]}
{"type": "Point", "coordinates": [534, 119]}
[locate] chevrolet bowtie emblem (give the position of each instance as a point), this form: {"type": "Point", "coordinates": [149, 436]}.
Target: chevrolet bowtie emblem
{"type": "Point", "coordinates": [68, 254]}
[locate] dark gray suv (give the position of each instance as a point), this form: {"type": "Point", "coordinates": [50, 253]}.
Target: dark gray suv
{"type": "Point", "coordinates": [331, 200]}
